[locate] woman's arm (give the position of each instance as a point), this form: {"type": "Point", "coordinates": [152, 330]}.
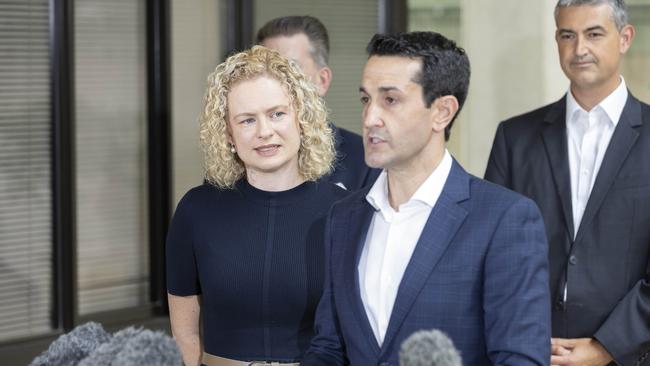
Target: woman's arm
{"type": "Point", "coordinates": [184, 313]}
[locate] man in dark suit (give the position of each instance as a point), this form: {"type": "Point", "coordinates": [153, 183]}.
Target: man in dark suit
{"type": "Point", "coordinates": [428, 245]}
{"type": "Point", "coordinates": [585, 160]}
{"type": "Point", "coordinates": [304, 40]}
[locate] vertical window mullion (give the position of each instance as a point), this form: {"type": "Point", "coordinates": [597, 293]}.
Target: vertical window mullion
{"type": "Point", "coordinates": [158, 135]}
{"type": "Point", "coordinates": [63, 170]}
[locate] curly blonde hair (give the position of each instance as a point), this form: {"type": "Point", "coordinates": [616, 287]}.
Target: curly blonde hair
{"type": "Point", "coordinates": [224, 168]}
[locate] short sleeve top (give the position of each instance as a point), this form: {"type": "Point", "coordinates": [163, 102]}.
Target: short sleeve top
{"type": "Point", "coordinates": [257, 260]}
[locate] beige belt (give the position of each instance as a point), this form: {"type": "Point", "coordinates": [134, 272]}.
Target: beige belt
{"type": "Point", "coordinates": [212, 360]}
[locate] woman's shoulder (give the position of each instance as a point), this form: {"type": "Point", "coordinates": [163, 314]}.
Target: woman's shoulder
{"type": "Point", "coordinates": [198, 196]}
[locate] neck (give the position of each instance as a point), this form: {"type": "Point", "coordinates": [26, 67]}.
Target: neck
{"type": "Point", "coordinates": [590, 97]}
{"type": "Point", "coordinates": [404, 181]}
{"type": "Point", "coordinates": [275, 181]}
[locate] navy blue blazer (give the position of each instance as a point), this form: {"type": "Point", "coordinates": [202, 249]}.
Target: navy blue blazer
{"type": "Point", "coordinates": [479, 273]}
{"type": "Point", "coordinates": [607, 265]}
{"type": "Point", "coordinates": [350, 168]}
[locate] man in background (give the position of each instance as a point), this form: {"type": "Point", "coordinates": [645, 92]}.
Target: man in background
{"type": "Point", "coordinates": [304, 39]}
{"type": "Point", "coordinates": [585, 160]}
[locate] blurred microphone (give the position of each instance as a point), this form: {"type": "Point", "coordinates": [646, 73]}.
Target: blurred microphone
{"type": "Point", "coordinates": [106, 352]}
{"type": "Point", "coordinates": [91, 345]}
{"type": "Point", "coordinates": [73, 347]}
{"type": "Point", "coordinates": [149, 348]}
{"type": "Point", "coordinates": [429, 348]}
{"type": "Point", "coordinates": [136, 347]}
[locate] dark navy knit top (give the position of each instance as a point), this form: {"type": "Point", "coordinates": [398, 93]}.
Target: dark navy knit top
{"type": "Point", "coordinates": [257, 259]}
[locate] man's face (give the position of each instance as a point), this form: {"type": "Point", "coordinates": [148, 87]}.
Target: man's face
{"type": "Point", "coordinates": [298, 49]}
{"type": "Point", "coordinates": [590, 46]}
{"type": "Point", "coordinates": [397, 126]}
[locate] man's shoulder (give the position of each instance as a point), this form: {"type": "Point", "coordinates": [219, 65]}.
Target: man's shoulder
{"type": "Point", "coordinates": [525, 121]}
{"type": "Point", "coordinates": [355, 198]}
{"type": "Point", "coordinates": [493, 195]}
{"type": "Point", "coordinates": [645, 107]}
{"type": "Point", "coordinates": [352, 200]}
{"type": "Point", "coordinates": [347, 141]}
{"type": "Point", "coordinates": [330, 191]}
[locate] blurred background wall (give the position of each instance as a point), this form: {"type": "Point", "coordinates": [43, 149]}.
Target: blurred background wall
{"type": "Point", "coordinates": [99, 106]}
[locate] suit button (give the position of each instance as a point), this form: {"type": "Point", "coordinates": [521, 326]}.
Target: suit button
{"type": "Point", "coordinates": [559, 305]}
{"type": "Point", "coordinates": [573, 259]}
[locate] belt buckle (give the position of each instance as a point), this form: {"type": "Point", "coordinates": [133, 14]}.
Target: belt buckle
{"type": "Point", "coordinates": [256, 363]}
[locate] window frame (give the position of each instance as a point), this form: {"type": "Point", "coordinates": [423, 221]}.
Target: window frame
{"type": "Point", "coordinates": [64, 313]}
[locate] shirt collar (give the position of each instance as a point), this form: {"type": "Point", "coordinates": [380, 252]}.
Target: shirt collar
{"type": "Point", "coordinates": [427, 193]}
{"type": "Point", "coordinates": [612, 105]}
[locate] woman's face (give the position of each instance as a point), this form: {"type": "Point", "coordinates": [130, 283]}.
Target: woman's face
{"type": "Point", "coordinates": [264, 128]}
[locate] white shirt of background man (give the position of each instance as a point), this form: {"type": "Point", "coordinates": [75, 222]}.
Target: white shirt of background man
{"type": "Point", "coordinates": [588, 135]}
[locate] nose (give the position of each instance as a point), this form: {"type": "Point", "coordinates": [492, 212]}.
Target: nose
{"type": "Point", "coordinates": [581, 46]}
{"type": "Point", "coordinates": [264, 129]}
{"type": "Point", "coordinates": [371, 115]}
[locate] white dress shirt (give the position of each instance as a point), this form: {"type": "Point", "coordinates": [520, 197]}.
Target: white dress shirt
{"type": "Point", "coordinates": [588, 135]}
{"type": "Point", "coordinates": [390, 243]}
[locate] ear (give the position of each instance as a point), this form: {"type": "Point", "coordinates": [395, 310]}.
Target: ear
{"type": "Point", "coordinates": [324, 80]}
{"type": "Point", "coordinates": [627, 35]}
{"type": "Point", "coordinates": [443, 111]}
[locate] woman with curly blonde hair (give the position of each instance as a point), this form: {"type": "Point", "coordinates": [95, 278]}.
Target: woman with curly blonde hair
{"type": "Point", "coordinates": [245, 249]}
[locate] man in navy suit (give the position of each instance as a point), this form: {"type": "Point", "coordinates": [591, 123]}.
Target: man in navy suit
{"type": "Point", "coordinates": [428, 245]}
{"type": "Point", "coordinates": [304, 39]}
{"type": "Point", "coordinates": [585, 160]}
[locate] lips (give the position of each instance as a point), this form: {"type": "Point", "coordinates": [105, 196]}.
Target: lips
{"type": "Point", "coordinates": [267, 150]}
{"type": "Point", "coordinates": [582, 63]}
{"type": "Point", "coordinates": [375, 140]}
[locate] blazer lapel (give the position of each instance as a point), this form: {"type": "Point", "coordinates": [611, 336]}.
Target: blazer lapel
{"type": "Point", "coordinates": [617, 151]}
{"type": "Point", "coordinates": [441, 226]}
{"type": "Point", "coordinates": [359, 219]}
{"type": "Point", "coordinates": [555, 142]}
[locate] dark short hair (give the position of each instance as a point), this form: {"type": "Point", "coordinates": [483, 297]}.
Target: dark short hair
{"type": "Point", "coordinates": [445, 66]}
{"type": "Point", "coordinates": [290, 25]}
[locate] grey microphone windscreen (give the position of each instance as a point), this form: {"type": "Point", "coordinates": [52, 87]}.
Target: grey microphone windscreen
{"type": "Point", "coordinates": [106, 352]}
{"type": "Point", "coordinates": [74, 346]}
{"type": "Point", "coordinates": [429, 348]}
{"type": "Point", "coordinates": [149, 348]}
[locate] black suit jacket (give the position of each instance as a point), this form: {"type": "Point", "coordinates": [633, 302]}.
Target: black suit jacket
{"type": "Point", "coordinates": [350, 167]}
{"type": "Point", "coordinates": [607, 266]}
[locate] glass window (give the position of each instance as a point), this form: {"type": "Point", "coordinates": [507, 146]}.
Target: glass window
{"type": "Point", "coordinates": [25, 170]}
{"type": "Point", "coordinates": [111, 154]}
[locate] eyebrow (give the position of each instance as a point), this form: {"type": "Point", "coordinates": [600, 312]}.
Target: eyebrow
{"type": "Point", "coordinates": [275, 107]}
{"type": "Point", "coordinates": [595, 27]}
{"type": "Point", "coordinates": [592, 28]}
{"type": "Point", "coordinates": [382, 89]}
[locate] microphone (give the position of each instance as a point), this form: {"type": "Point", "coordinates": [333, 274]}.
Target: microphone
{"type": "Point", "coordinates": [91, 345]}
{"type": "Point", "coordinates": [136, 347]}
{"type": "Point", "coordinates": [106, 352]}
{"type": "Point", "coordinates": [149, 348]}
{"type": "Point", "coordinates": [429, 348]}
{"type": "Point", "coordinates": [70, 348]}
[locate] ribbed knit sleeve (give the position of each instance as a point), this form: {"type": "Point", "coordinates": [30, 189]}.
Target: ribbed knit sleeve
{"type": "Point", "coordinates": [182, 274]}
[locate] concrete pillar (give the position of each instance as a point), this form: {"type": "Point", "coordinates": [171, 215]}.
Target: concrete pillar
{"type": "Point", "coordinates": [515, 69]}
{"type": "Point", "coordinates": [195, 45]}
